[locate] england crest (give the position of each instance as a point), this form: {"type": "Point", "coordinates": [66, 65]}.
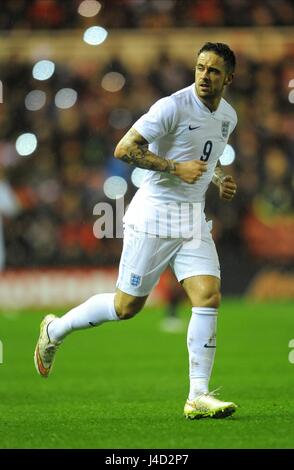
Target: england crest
{"type": "Point", "coordinates": [225, 128]}
{"type": "Point", "coordinates": [136, 280]}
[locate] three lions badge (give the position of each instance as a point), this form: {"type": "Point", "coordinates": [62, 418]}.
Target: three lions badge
{"type": "Point", "coordinates": [225, 128]}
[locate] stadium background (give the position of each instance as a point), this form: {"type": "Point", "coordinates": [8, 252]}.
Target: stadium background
{"type": "Point", "coordinates": [81, 111]}
{"type": "Point", "coordinates": [149, 53]}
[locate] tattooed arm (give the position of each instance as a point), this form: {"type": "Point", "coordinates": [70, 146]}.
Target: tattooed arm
{"type": "Point", "coordinates": [133, 149]}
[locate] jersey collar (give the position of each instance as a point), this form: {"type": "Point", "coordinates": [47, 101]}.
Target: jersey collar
{"type": "Point", "coordinates": [201, 104]}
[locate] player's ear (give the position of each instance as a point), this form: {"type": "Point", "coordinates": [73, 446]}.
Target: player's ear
{"type": "Point", "coordinates": [229, 78]}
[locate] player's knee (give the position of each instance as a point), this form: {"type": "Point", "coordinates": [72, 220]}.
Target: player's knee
{"type": "Point", "coordinates": [125, 312]}
{"type": "Point", "coordinates": [211, 299]}
{"type": "Point", "coordinates": [127, 309]}
{"type": "Point", "coordinates": [208, 296]}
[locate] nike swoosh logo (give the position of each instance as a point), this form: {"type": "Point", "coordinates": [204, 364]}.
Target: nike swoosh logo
{"type": "Point", "coordinates": [208, 346]}
{"type": "Point", "coordinates": [192, 128]}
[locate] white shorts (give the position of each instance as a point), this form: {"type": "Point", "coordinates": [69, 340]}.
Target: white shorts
{"type": "Point", "coordinates": [144, 258]}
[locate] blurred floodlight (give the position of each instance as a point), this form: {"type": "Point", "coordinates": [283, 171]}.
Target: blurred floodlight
{"type": "Point", "coordinates": [137, 176]}
{"type": "Point", "coordinates": [65, 98]}
{"type": "Point", "coordinates": [113, 81]}
{"type": "Point", "coordinates": [43, 69]}
{"type": "Point", "coordinates": [115, 187]}
{"type": "Point", "coordinates": [291, 96]}
{"type": "Point", "coordinates": [89, 8]}
{"type": "Point", "coordinates": [95, 35]}
{"type": "Point", "coordinates": [228, 155]}
{"type": "Point", "coordinates": [26, 144]}
{"type": "Point", "coordinates": [120, 118]}
{"type": "Point", "coordinates": [35, 100]}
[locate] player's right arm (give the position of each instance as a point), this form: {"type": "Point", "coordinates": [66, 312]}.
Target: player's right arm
{"type": "Point", "coordinates": [133, 149]}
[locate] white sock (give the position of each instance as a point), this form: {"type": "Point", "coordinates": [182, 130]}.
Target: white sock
{"type": "Point", "coordinates": [96, 310]}
{"type": "Point", "coordinates": [201, 346]}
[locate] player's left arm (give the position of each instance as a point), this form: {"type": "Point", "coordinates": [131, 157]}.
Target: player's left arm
{"type": "Point", "coordinates": [225, 183]}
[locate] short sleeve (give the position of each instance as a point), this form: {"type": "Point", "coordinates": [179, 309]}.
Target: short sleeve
{"type": "Point", "coordinates": [158, 121]}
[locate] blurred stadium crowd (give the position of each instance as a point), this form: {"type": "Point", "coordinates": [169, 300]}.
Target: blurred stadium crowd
{"type": "Point", "coordinates": [61, 14]}
{"type": "Point", "coordinates": [59, 185]}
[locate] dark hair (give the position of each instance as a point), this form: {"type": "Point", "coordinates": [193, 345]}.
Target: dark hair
{"type": "Point", "coordinates": [223, 51]}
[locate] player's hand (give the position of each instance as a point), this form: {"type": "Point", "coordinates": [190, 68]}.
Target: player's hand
{"type": "Point", "coordinates": [190, 171]}
{"type": "Point", "coordinates": [227, 188]}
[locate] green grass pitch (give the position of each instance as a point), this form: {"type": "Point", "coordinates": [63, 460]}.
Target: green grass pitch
{"type": "Point", "coordinates": [124, 384]}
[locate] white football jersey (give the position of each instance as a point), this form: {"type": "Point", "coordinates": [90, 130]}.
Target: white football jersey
{"type": "Point", "coordinates": [179, 127]}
